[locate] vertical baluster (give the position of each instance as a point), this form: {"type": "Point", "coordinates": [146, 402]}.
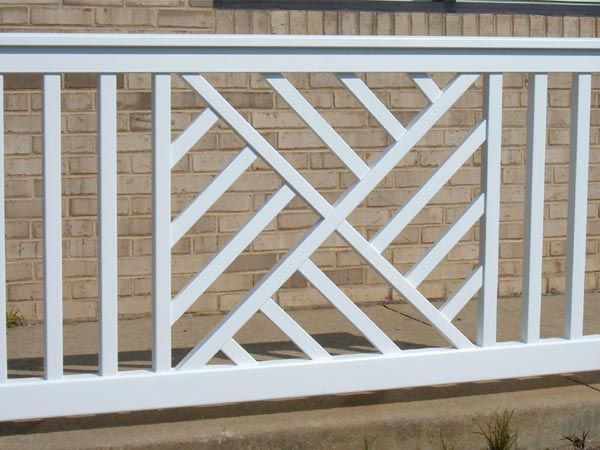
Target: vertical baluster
{"type": "Point", "coordinates": [577, 217]}
{"type": "Point", "coordinates": [52, 228]}
{"type": "Point", "coordinates": [490, 184]}
{"type": "Point", "coordinates": [107, 222]}
{"type": "Point", "coordinates": [534, 207]}
{"type": "Point", "coordinates": [161, 213]}
{"type": "Point", "coordinates": [3, 297]}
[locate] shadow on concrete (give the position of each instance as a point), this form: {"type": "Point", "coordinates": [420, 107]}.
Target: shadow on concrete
{"type": "Point", "coordinates": [335, 343]}
{"type": "Point", "coordinates": [184, 414]}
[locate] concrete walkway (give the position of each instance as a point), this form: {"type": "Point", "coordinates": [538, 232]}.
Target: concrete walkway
{"type": "Point", "coordinates": [546, 408]}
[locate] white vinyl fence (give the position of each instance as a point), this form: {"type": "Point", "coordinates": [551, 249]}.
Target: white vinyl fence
{"type": "Point", "coordinates": [193, 381]}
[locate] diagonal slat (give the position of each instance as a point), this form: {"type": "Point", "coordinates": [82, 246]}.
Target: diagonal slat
{"type": "Point", "coordinates": [332, 218]}
{"type": "Point", "coordinates": [349, 309]}
{"type": "Point", "coordinates": [192, 134]}
{"type": "Point", "coordinates": [259, 144]}
{"type": "Point", "coordinates": [316, 122]}
{"type": "Point", "coordinates": [295, 332]}
{"type": "Point", "coordinates": [463, 294]}
{"type": "Point", "coordinates": [205, 199]}
{"type": "Point", "coordinates": [238, 355]}
{"type": "Point", "coordinates": [207, 276]}
{"type": "Point", "coordinates": [446, 242]}
{"type": "Point", "coordinates": [427, 86]}
{"type": "Point", "coordinates": [372, 104]}
{"type": "Point", "coordinates": [389, 158]}
{"type": "Point", "coordinates": [385, 236]}
{"type": "Point", "coordinates": [403, 286]}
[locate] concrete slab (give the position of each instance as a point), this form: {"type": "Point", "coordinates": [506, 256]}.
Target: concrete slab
{"type": "Point", "coordinates": [546, 408]}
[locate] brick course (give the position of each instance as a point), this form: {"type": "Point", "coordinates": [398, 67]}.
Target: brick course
{"type": "Point", "coordinates": [283, 129]}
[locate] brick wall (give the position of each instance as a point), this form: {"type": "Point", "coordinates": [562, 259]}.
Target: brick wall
{"type": "Point", "coordinates": [269, 113]}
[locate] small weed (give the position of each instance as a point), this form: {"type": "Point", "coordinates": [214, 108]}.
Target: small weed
{"type": "Point", "coordinates": [498, 433]}
{"type": "Point", "coordinates": [368, 442]}
{"type": "Point", "coordinates": [14, 318]}
{"type": "Point", "coordinates": [577, 442]}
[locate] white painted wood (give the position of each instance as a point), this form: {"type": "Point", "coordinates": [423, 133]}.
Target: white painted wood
{"type": "Point", "coordinates": [193, 53]}
{"type": "Point", "coordinates": [294, 331]}
{"type": "Point", "coordinates": [238, 354]}
{"type": "Point", "coordinates": [489, 230]}
{"type": "Point", "coordinates": [463, 294]}
{"type": "Point", "coordinates": [386, 235]}
{"type": "Point", "coordinates": [332, 218]}
{"type": "Point", "coordinates": [316, 122]}
{"type": "Point", "coordinates": [578, 204]}
{"type": "Point", "coordinates": [224, 257]}
{"type": "Point", "coordinates": [291, 42]}
{"type": "Point", "coordinates": [534, 207]}
{"type": "Point", "coordinates": [251, 380]}
{"type": "Point", "coordinates": [140, 390]}
{"type": "Point", "coordinates": [264, 60]}
{"type": "Point", "coordinates": [446, 242]}
{"type": "Point", "coordinates": [427, 86]}
{"type": "Point", "coordinates": [3, 292]}
{"type": "Point", "coordinates": [348, 308]}
{"type": "Point", "coordinates": [258, 143]}
{"type": "Point", "coordinates": [161, 222]}
{"type": "Point", "coordinates": [371, 103]}
{"type": "Point", "coordinates": [52, 174]}
{"type": "Point", "coordinates": [207, 198]}
{"type": "Point", "coordinates": [192, 134]}
{"type": "Point", "coordinates": [404, 287]}
{"type": "Point", "coordinates": [107, 224]}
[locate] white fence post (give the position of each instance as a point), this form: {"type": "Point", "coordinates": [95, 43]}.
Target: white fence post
{"type": "Point", "coordinates": [52, 227]}
{"type": "Point", "coordinates": [107, 223]}
{"type": "Point", "coordinates": [161, 218]}
{"type": "Point", "coordinates": [489, 228]}
{"type": "Point", "coordinates": [3, 296]}
{"type": "Point", "coordinates": [577, 217]}
{"type": "Point", "coordinates": [534, 207]}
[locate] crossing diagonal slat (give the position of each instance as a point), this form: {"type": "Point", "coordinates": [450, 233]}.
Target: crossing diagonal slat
{"type": "Point", "coordinates": [348, 308]}
{"type": "Point", "coordinates": [385, 236]}
{"type": "Point", "coordinates": [332, 217]}
{"type": "Point", "coordinates": [427, 86]}
{"type": "Point", "coordinates": [207, 198]}
{"type": "Point", "coordinates": [192, 134]}
{"type": "Point", "coordinates": [295, 332]}
{"type": "Point", "coordinates": [371, 103]}
{"type": "Point", "coordinates": [238, 354]}
{"type": "Point", "coordinates": [463, 294]}
{"type": "Point", "coordinates": [317, 123]}
{"type": "Point", "coordinates": [446, 242]}
{"type": "Point", "coordinates": [259, 144]}
{"type": "Point", "coordinates": [403, 286]}
{"type": "Point", "coordinates": [207, 276]}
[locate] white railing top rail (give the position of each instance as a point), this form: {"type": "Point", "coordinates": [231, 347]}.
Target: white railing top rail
{"type": "Point", "coordinates": [169, 53]}
{"type": "Point", "coordinates": [291, 41]}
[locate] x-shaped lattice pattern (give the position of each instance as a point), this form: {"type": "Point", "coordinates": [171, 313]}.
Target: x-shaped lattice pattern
{"type": "Point", "coordinates": [333, 217]}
